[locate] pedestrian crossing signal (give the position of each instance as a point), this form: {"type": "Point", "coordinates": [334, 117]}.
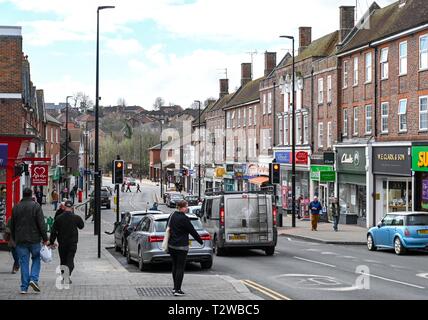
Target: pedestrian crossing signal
{"type": "Point", "coordinates": [118, 171]}
{"type": "Point", "coordinates": [275, 173]}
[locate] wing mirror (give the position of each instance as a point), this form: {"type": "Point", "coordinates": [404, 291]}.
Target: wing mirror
{"type": "Point", "coordinates": [380, 224]}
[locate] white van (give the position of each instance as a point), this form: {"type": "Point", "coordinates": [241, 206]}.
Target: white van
{"type": "Point", "coordinates": [240, 220]}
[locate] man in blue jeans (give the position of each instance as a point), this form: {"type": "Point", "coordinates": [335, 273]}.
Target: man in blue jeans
{"type": "Point", "coordinates": [28, 229]}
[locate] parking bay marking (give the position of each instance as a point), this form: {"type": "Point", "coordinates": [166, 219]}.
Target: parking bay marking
{"type": "Point", "coordinates": [395, 281]}
{"type": "Point", "coordinates": [316, 262]}
{"type": "Point", "coordinates": [266, 291]}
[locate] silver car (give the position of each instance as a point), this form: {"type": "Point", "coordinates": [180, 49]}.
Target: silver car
{"type": "Point", "coordinates": [145, 243]}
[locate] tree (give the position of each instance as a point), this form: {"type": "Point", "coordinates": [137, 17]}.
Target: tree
{"type": "Point", "coordinates": [159, 102]}
{"type": "Point", "coordinates": [208, 101]}
{"type": "Point", "coordinates": [82, 102]}
{"type": "Point", "coordinates": [121, 102]}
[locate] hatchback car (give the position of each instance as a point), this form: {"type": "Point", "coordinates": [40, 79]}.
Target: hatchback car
{"type": "Point", "coordinates": [192, 200]}
{"type": "Point", "coordinates": [105, 197]}
{"type": "Point", "coordinates": [196, 210]}
{"type": "Point", "coordinates": [400, 231]}
{"type": "Point", "coordinates": [124, 228]}
{"type": "Point", "coordinates": [173, 199]}
{"type": "Point", "coordinates": [145, 243]}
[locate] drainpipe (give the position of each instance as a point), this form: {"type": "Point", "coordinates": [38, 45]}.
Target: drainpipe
{"type": "Point", "coordinates": [375, 132]}
{"type": "Point", "coordinates": [312, 111]}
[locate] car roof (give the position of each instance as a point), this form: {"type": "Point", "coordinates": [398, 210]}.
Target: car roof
{"type": "Point", "coordinates": [166, 216]}
{"type": "Point", "coordinates": [406, 213]}
{"type": "Point", "coordinates": [143, 212]}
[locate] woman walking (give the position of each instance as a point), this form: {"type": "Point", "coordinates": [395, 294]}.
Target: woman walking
{"type": "Point", "coordinates": [178, 245]}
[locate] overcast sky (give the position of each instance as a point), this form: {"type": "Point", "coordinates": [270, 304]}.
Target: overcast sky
{"type": "Point", "coordinates": [175, 49]}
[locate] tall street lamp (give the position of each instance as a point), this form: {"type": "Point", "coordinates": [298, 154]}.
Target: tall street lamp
{"type": "Point", "coordinates": [293, 141]}
{"type": "Point", "coordinates": [66, 141]}
{"type": "Point", "coordinates": [161, 160]}
{"type": "Point", "coordinates": [97, 165]}
{"type": "Point", "coordinates": [199, 150]}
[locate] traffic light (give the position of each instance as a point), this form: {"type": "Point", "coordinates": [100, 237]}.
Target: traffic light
{"type": "Point", "coordinates": [118, 171]}
{"type": "Point", "coordinates": [275, 173]}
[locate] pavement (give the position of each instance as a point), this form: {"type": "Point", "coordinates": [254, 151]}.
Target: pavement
{"type": "Point", "coordinates": [107, 279]}
{"type": "Point", "coordinates": [347, 234]}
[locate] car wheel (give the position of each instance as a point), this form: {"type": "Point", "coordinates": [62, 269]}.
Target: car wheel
{"type": "Point", "coordinates": [141, 265]}
{"type": "Point", "coordinates": [128, 258]}
{"type": "Point", "coordinates": [270, 251]}
{"type": "Point", "coordinates": [398, 247]}
{"type": "Point", "coordinates": [219, 252]}
{"type": "Point", "coordinates": [207, 264]}
{"type": "Point", "coordinates": [370, 243]}
{"type": "Point", "coordinates": [124, 249]}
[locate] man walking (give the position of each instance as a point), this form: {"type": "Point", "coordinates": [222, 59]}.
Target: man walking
{"type": "Point", "coordinates": [28, 229]}
{"type": "Point", "coordinates": [65, 230]}
{"type": "Point", "coordinates": [138, 188]}
{"type": "Point", "coordinates": [315, 207]}
{"type": "Point", "coordinates": [55, 199]}
{"type": "Point", "coordinates": [128, 188]}
{"type": "Point", "coordinates": [335, 213]}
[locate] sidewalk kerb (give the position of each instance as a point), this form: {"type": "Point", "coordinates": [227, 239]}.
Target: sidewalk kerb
{"type": "Point", "coordinates": [112, 260]}
{"type": "Point", "coordinates": [240, 287]}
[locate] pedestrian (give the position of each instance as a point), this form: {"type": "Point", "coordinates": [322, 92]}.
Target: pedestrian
{"type": "Point", "coordinates": [66, 230]}
{"type": "Point", "coordinates": [27, 230]}
{"type": "Point", "coordinates": [335, 213]}
{"type": "Point", "coordinates": [72, 195]}
{"type": "Point", "coordinates": [315, 207]}
{"type": "Point", "coordinates": [123, 187]}
{"type": "Point", "coordinates": [39, 196]}
{"type": "Point", "coordinates": [60, 209]}
{"type": "Point", "coordinates": [155, 207]}
{"type": "Point", "coordinates": [12, 246]}
{"type": "Point", "coordinates": [178, 244]}
{"type": "Point", "coordinates": [55, 199]}
{"type": "Point", "coordinates": [299, 207]}
{"type": "Point", "coordinates": [128, 188]}
{"type": "Point", "coordinates": [138, 188]}
{"type": "Point", "coordinates": [64, 193]}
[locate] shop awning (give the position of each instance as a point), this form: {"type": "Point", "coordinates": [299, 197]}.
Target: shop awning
{"type": "Point", "coordinates": [259, 180]}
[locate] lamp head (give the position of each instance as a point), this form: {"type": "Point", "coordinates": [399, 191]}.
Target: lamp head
{"type": "Point", "coordinates": [287, 37]}
{"type": "Point", "coordinates": [105, 7]}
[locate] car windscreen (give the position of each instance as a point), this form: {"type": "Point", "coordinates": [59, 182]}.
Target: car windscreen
{"type": "Point", "coordinates": [160, 225]}
{"type": "Point", "coordinates": [135, 220]}
{"type": "Point", "coordinates": [417, 220]}
{"type": "Point", "coordinates": [177, 197]}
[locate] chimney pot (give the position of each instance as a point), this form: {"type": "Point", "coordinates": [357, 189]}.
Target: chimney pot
{"type": "Point", "coordinates": [305, 38]}
{"type": "Point", "coordinates": [246, 73]}
{"type": "Point", "coordinates": [224, 87]}
{"type": "Point", "coordinates": [270, 62]}
{"type": "Point", "coordinates": [347, 21]}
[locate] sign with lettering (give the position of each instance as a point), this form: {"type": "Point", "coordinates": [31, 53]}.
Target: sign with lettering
{"type": "Point", "coordinates": [39, 175]}
{"type": "Point", "coordinates": [420, 159]}
{"type": "Point", "coordinates": [283, 157]}
{"type": "Point", "coordinates": [329, 158]}
{"type": "Point", "coordinates": [3, 155]}
{"type": "Point", "coordinates": [392, 161]}
{"type": "Point", "coordinates": [302, 157]}
{"type": "Point", "coordinates": [323, 173]}
{"type": "Point", "coordinates": [351, 160]}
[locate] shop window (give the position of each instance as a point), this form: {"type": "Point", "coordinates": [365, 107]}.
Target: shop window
{"type": "Point", "coordinates": [397, 196]}
{"type": "Point", "coordinates": [352, 199]}
{"type": "Point", "coordinates": [402, 115]}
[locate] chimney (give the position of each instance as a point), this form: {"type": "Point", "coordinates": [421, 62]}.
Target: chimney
{"type": "Point", "coordinates": [270, 62]}
{"type": "Point", "coordinates": [246, 73]}
{"type": "Point", "coordinates": [347, 21]}
{"type": "Point", "coordinates": [305, 38]}
{"type": "Point", "coordinates": [224, 87]}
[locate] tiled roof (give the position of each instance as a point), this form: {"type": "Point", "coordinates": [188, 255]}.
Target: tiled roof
{"type": "Point", "coordinates": [222, 102]}
{"type": "Point", "coordinates": [388, 21]}
{"type": "Point", "coordinates": [248, 93]}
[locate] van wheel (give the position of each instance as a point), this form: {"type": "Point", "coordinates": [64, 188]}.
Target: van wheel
{"type": "Point", "coordinates": [207, 264]}
{"type": "Point", "coordinates": [219, 252]}
{"type": "Point", "coordinates": [270, 251]}
{"type": "Point", "coordinates": [141, 265]}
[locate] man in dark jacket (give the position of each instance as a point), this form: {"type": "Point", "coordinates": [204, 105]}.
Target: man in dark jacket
{"type": "Point", "coordinates": [28, 229]}
{"type": "Point", "coordinates": [178, 244]}
{"type": "Point", "coordinates": [315, 207]}
{"type": "Point", "coordinates": [65, 230]}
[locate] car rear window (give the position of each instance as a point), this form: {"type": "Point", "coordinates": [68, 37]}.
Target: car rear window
{"type": "Point", "coordinates": [417, 220]}
{"type": "Point", "coordinates": [135, 220]}
{"type": "Point", "coordinates": [160, 225]}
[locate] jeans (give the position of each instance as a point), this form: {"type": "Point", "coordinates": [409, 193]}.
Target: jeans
{"type": "Point", "coordinates": [336, 222]}
{"type": "Point", "coordinates": [178, 265]}
{"type": "Point", "coordinates": [67, 252]}
{"type": "Point", "coordinates": [15, 257]}
{"type": "Point", "coordinates": [55, 205]}
{"type": "Point", "coordinates": [24, 251]}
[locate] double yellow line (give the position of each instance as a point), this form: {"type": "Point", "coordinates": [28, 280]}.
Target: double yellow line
{"type": "Point", "coordinates": [266, 291]}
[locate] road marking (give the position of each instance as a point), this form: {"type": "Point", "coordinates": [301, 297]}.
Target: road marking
{"type": "Point", "coordinates": [329, 253]}
{"type": "Point", "coordinates": [373, 261]}
{"type": "Point", "coordinates": [317, 262]}
{"type": "Point", "coordinates": [269, 292]}
{"type": "Point", "coordinates": [394, 281]}
{"type": "Point", "coordinates": [422, 275]}
{"type": "Point", "coordinates": [348, 257]}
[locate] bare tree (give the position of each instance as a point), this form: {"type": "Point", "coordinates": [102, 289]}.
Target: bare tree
{"type": "Point", "coordinates": [121, 102]}
{"type": "Point", "coordinates": [159, 102]}
{"type": "Point", "coordinates": [82, 101]}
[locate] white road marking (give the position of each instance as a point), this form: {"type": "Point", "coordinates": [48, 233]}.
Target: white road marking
{"type": "Point", "coordinates": [422, 275]}
{"type": "Point", "coordinates": [372, 261]}
{"type": "Point", "coordinates": [348, 257]}
{"type": "Point", "coordinates": [329, 253]}
{"type": "Point", "coordinates": [395, 281]}
{"type": "Point", "coordinates": [317, 262]}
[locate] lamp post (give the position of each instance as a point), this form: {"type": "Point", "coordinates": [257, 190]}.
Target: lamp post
{"type": "Point", "coordinates": [199, 151]}
{"type": "Point", "coordinates": [293, 141]}
{"type": "Point", "coordinates": [161, 161]}
{"type": "Point", "coordinates": [97, 165]}
{"type": "Point", "coordinates": [66, 141]}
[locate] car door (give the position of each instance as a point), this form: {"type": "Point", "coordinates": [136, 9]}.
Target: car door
{"type": "Point", "coordinates": [132, 240]}
{"type": "Point", "coordinates": [382, 234]}
{"type": "Point", "coordinates": [119, 230]}
{"type": "Point", "coordinates": [143, 239]}
{"type": "Point", "coordinates": [397, 225]}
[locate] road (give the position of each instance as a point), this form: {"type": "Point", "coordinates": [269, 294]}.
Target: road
{"type": "Point", "coordinates": [304, 270]}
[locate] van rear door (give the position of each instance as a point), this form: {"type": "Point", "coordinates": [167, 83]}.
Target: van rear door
{"type": "Point", "coordinates": [248, 218]}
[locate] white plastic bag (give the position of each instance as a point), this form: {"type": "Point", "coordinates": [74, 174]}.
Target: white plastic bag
{"type": "Point", "coordinates": [46, 254]}
{"type": "Point", "coordinates": [166, 240]}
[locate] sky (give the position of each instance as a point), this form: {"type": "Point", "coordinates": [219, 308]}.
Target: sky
{"type": "Point", "coordinates": [174, 49]}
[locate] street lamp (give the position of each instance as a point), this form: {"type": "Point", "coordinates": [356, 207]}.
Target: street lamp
{"type": "Point", "coordinates": [161, 160]}
{"type": "Point", "coordinates": [97, 174]}
{"type": "Point", "coordinates": [199, 150]}
{"type": "Point", "coordinates": [293, 140]}
{"type": "Point", "coordinates": [66, 141]}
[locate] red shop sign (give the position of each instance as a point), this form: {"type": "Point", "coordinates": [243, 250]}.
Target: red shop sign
{"type": "Point", "coordinates": [302, 157]}
{"type": "Point", "coordinates": [39, 175]}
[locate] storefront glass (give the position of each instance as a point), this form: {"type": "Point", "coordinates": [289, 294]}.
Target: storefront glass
{"type": "Point", "coordinates": [229, 185]}
{"type": "Point", "coordinates": [397, 196]}
{"type": "Point", "coordinates": [352, 199]}
{"type": "Point", "coordinates": [302, 182]}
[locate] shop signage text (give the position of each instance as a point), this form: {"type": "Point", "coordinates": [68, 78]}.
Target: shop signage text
{"type": "Point", "coordinates": [3, 155]}
{"type": "Point", "coordinates": [351, 159]}
{"type": "Point", "coordinates": [302, 157]}
{"type": "Point", "coordinates": [39, 175]}
{"type": "Point", "coordinates": [392, 160]}
{"type": "Point", "coordinates": [420, 158]}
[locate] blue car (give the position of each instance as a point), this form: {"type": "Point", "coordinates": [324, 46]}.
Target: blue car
{"type": "Point", "coordinates": [400, 231]}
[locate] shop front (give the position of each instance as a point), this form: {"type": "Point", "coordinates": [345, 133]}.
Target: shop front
{"type": "Point", "coordinates": [229, 182]}
{"type": "Point", "coordinates": [352, 184]}
{"type": "Point", "coordinates": [323, 178]}
{"type": "Point", "coordinates": [393, 180]}
{"type": "Point", "coordinates": [239, 176]}
{"type": "Point", "coordinates": [420, 169]}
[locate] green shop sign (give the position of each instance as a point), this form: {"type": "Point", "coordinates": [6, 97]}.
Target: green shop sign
{"type": "Point", "coordinates": [420, 159]}
{"type": "Point", "coordinates": [323, 174]}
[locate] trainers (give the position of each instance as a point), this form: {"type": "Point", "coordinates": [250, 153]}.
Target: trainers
{"type": "Point", "coordinates": [23, 292]}
{"type": "Point", "coordinates": [179, 293]}
{"type": "Point", "coordinates": [35, 286]}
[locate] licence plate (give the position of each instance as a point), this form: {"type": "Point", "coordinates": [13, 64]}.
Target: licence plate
{"type": "Point", "coordinates": [423, 231]}
{"type": "Point", "coordinates": [237, 237]}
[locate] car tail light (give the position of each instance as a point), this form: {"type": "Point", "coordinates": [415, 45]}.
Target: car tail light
{"type": "Point", "coordinates": [274, 212]}
{"type": "Point", "coordinates": [407, 233]}
{"type": "Point", "coordinates": [156, 239]}
{"type": "Point", "coordinates": [222, 216]}
{"type": "Point", "coordinates": [206, 237]}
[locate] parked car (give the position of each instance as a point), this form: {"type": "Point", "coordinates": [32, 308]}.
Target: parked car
{"type": "Point", "coordinates": [192, 200]}
{"type": "Point", "coordinates": [240, 220]}
{"type": "Point", "coordinates": [105, 197]}
{"type": "Point", "coordinates": [127, 224]}
{"type": "Point", "coordinates": [145, 243]}
{"type": "Point", "coordinates": [173, 199]}
{"type": "Point", "coordinates": [400, 231]}
{"type": "Point", "coordinates": [196, 210]}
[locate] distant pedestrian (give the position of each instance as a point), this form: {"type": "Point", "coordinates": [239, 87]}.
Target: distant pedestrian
{"type": "Point", "coordinates": [64, 193]}
{"type": "Point", "coordinates": [138, 188]}
{"type": "Point", "coordinates": [128, 188]}
{"type": "Point", "coordinates": [335, 213]}
{"type": "Point", "coordinates": [12, 246]}
{"type": "Point", "coordinates": [315, 207]}
{"type": "Point", "coordinates": [299, 207]}
{"type": "Point", "coordinates": [72, 195]}
{"type": "Point", "coordinates": [39, 196]}
{"type": "Point", "coordinates": [28, 229]}
{"type": "Point", "coordinates": [55, 199]}
{"type": "Point", "coordinates": [178, 244]}
{"type": "Point", "coordinates": [61, 209]}
{"type": "Point", "coordinates": [123, 187]}
{"type": "Point", "coordinates": [66, 230]}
